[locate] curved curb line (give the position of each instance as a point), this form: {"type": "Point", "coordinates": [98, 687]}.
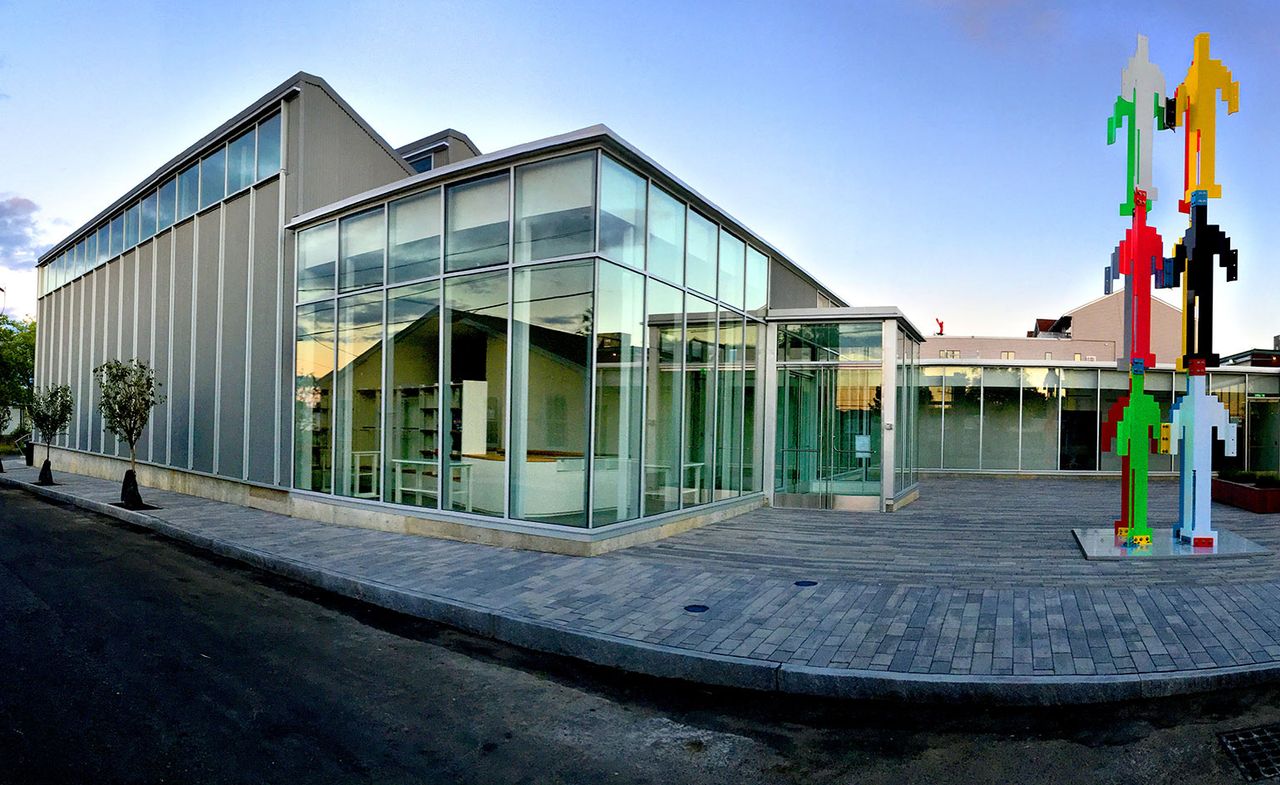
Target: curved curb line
{"type": "Point", "coordinates": [702, 667]}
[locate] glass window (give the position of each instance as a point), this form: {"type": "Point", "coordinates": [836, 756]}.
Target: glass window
{"type": "Point", "coordinates": [700, 256]}
{"type": "Point", "coordinates": [822, 342]}
{"type": "Point", "coordinates": [1000, 389]}
{"type": "Point", "coordinates": [962, 418]}
{"type": "Point", "coordinates": [357, 397]}
{"type": "Point", "coordinates": [729, 408]}
{"type": "Point", "coordinates": [423, 164]}
{"type": "Point", "coordinates": [701, 342]}
{"type": "Point", "coordinates": [752, 408]}
{"type": "Point", "coordinates": [363, 240]}
{"type": "Point", "coordinates": [757, 294]}
{"type": "Point", "coordinates": [619, 389]}
{"type": "Point", "coordinates": [102, 245]}
{"type": "Point", "coordinates": [663, 382]}
{"type": "Point", "coordinates": [550, 370]}
{"type": "Point", "coordinates": [1229, 388]}
{"type": "Point", "coordinates": [666, 235]}
{"type": "Point", "coordinates": [90, 250]}
{"type": "Point", "coordinates": [555, 207]}
{"type": "Point", "coordinates": [147, 217]}
{"type": "Point", "coordinates": [476, 367]}
{"type": "Point", "coordinates": [317, 260]}
{"type": "Point", "coordinates": [414, 431]}
{"type": "Point", "coordinates": [1159, 384]}
{"type": "Point", "coordinates": [476, 224]}
{"type": "Point", "coordinates": [269, 146]}
{"type": "Point", "coordinates": [131, 226]}
{"type": "Point", "coordinates": [117, 236]}
{"type": "Point", "coordinates": [240, 163]}
{"type": "Point", "coordinates": [213, 181]}
{"type": "Point", "coordinates": [1113, 385]}
{"type": "Point", "coordinates": [313, 382]}
{"type": "Point", "coordinates": [622, 202]}
{"type": "Point", "coordinates": [168, 204]}
{"type": "Point", "coordinates": [188, 191]}
{"type": "Point", "coordinates": [731, 269]}
{"type": "Point", "coordinates": [1039, 419]}
{"type": "Point", "coordinates": [414, 250]}
{"type": "Point", "coordinates": [1078, 449]}
{"type": "Point", "coordinates": [931, 397]}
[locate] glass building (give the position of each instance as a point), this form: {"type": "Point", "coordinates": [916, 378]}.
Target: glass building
{"type": "Point", "coordinates": [558, 341]}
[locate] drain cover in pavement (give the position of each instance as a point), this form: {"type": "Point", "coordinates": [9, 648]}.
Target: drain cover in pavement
{"type": "Point", "coordinates": [696, 608]}
{"type": "Point", "coordinates": [1256, 751]}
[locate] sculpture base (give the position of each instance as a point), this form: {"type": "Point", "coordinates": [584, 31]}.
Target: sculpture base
{"type": "Point", "coordinates": [1103, 545]}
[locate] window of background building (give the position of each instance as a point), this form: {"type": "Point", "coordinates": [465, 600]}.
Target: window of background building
{"type": "Point", "coordinates": [414, 227]}
{"type": "Point", "coordinates": [213, 178]}
{"type": "Point", "coordinates": [1007, 355]}
{"type": "Point", "coordinates": [357, 397]}
{"type": "Point", "coordinates": [317, 261]}
{"type": "Point", "coordinates": [188, 191]}
{"type": "Point", "coordinates": [700, 254]}
{"type": "Point", "coordinates": [550, 371]}
{"type": "Point", "coordinates": [1076, 357]}
{"type": "Point", "coordinates": [476, 223]}
{"type": "Point", "coordinates": [1048, 355]}
{"type": "Point", "coordinates": [241, 170]}
{"type": "Point", "coordinates": [619, 394]}
{"type": "Point", "coordinates": [622, 213]}
{"type": "Point", "coordinates": [732, 267]}
{"type": "Point", "coordinates": [666, 235]}
{"type": "Point", "coordinates": [663, 383]}
{"type": "Point", "coordinates": [269, 146]}
{"type": "Point", "coordinates": [362, 240]}
{"type": "Point", "coordinates": [416, 424]}
{"type": "Point", "coordinates": [555, 208]}
{"type": "Point", "coordinates": [423, 164]}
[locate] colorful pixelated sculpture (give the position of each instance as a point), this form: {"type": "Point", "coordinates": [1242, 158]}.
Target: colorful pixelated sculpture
{"type": "Point", "coordinates": [1140, 255]}
{"type": "Point", "coordinates": [1106, 438]}
{"type": "Point", "coordinates": [1137, 431]}
{"type": "Point", "coordinates": [1196, 111]}
{"type": "Point", "coordinates": [1196, 418]}
{"type": "Point", "coordinates": [1193, 265]}
{"type": "Point", "coordinates": [1140, 107]}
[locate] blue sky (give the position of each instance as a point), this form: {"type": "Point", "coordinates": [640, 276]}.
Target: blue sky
{"type": "Point", "coordinates": [945, 157]}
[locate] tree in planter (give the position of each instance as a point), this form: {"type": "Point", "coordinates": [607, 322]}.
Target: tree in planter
{"type": "Point", "coordinates": [4, 425]}
{"type": "Point", "coordinates": [50, 411]}
{"type": "Point", "coordinates": [129, 391]}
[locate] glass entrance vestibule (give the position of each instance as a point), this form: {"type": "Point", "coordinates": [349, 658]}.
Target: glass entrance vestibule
{"type": "Point", "coordinates": [844, 434]}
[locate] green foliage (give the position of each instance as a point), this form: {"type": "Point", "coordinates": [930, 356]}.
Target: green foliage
{"type": "Point", "coordinates": [1260, 479]}
{"type": "Point", "coordinates": [17, 360]}
{"type": "Point", "coordinates": [50, 409]}
{"type": "Point", "coordinates": [129, 391]}
{"type": "Point", "coordinates": [5, 414]}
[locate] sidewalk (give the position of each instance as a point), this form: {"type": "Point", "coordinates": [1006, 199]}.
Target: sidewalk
{"type": "Point", "coordinates": [890, 615]}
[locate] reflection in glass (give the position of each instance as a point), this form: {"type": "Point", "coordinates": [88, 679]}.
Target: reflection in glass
{"type": "Point", "coordinates": [147, 217]}
{"type": "Point", "coordinates": [700, 254]}
{"type": "Point", "coordinates": [752, 407]}
{"type": "Point", "coordinates": [475, 364]}
{"type": "Point", "coordinates": [213, 181]}
{"type": "Point", "coordinates": [666, 235]}
{"type": "Point", "coordinates": [1079, 449]}
{"type": "Point", "coordinates": [731, 269]}
{"type": "Point", "coordinates": [961, 419]}
{"type": "Point", "coordinates": [188, 191]}
{"type": "Point", "coordinates": [117, 236]}
{"type": "Point", "coordinates": [269, 146]}
{"type": "Point", "coordinates": [1229, 388]}
{"type": "Point", "coordinates": [1159, 385]}
{"type": "Point", "coordinates": [622, 208]}
{"type": "Point", "coordinates": [1262, 447]}
{"type": "Point", "coordinates": [1114, 386]}
{"type": "Point", "coordinates": [931, 399]}
{"type": "Point", "coordinates": [1039, 419]}
{"type": "Point", "coordinates": [240, 163]}
{"type": "Point", "coordinates": [701, 341]}
{"type": "Point", "coordinates": [729, 408]}
{"type": "Point", "coordinates": [550, 371]}
{"type": "Point", "coordinates": [317, 261]}
{"type": "Point", "coordinates": [665, 349]}
{"type": "Point", "coordinates": [357, 397]}
{"type": "Point", "coordinates": [414, 250]}
{"type": "Point", "coordinates": [757, 293]}
{"type": "Point", "coordinates": [168, 203]}
{"type": "Point", "coordinates": [362, 250]}
{"type": "Point", "coordinates": [555, 207]}
{"type": "Point", "coordinates": [476, 224]}
{"type": "Point", "coordinates": [619, 390]}
{"type": "Point", "coordinates": [413, 404]}
{"type": "Point", "coordinates": [1000, 388]}
{"type": "Point", "coordinates": [102, 246]}
{"type": "Point", "coordinates": [131, 226]}
{"type": "Point", "coordinates": [823, 342]}
{"type": "Point", "coordinates": [313, 381]}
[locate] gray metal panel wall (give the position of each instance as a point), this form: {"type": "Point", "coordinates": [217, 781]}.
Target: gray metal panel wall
{"type": "Point", "coordinates": [204, 346]}
{"type": "Point", "coordinates": [234, 320]}
{"type": "Point", "coordinates": [788, 290]}
{"type": "Point", "coordinates": [264, 321]}
{"type": "Point", "coordinates": [340, 158]}
{"type": "Point", "coordinates": [159, 430]}
{"type": "Point", "coordinates": [98, 328]}
{"type": "Point", "coordinates": [73, 334]}
{"type": "Point", "coordinates": [60, 332]}
{"type": "Point", "coordinates": [118, 342]}
{"type": "Point", "coordinates": [142, 329]}
{"type": "Point", "coordinates": [180, 336]}
{"type": "Point", "coordinates": [83, 328]}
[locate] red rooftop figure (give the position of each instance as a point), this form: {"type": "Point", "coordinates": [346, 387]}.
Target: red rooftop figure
{"type": "Point", "coordinates": [1141, 254]}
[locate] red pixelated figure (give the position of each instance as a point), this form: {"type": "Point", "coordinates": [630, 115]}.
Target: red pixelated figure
{"type": "Point", "coordinates": [1106, 437]}
{"type": "Point", "coordinates": [1141, 254]}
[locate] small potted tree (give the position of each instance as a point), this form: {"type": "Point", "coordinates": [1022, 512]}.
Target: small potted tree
{"type": "Point", "coordinates": [128, 393]}
{"type": "Point", "coordinates": [50, 410]}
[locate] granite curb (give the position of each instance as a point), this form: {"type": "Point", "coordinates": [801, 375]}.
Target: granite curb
{"type": "Point", "coordinates": [693, 666]}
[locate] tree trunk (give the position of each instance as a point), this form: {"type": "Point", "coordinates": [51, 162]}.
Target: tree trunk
{"type": "Point", "coordinates": [46, 473]}
{"type": "Point", "coordinates": [130, 498]}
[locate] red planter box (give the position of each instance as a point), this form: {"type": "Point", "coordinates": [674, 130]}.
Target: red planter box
{"type": "Point", "coordinates": [1246, 497]}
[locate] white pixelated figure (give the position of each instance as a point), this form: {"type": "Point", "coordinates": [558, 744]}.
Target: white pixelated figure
{"type": "Point", "coordinates": [1195, 417]}
{"type": "Point", "coordinates": [1143, 83]}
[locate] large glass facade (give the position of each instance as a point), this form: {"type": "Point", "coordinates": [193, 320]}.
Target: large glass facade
{"type": "Point", "coordinates": [1039, 436]}
{"type": "Point", "coordinates": [552, 390]}
{"type": "Point", "coordinates": [1000, 417]}
{"type": "Point", "coordinates": [701, 242]}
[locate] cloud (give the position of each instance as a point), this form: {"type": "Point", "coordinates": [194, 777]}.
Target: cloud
{"type": "Point", "coordinates": [1000, 22]}
{"type": "Point", "coordinates": [19, 243]}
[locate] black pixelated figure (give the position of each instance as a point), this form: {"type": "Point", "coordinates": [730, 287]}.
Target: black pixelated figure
{"type": "Point", "coordinates": [1202, 243]}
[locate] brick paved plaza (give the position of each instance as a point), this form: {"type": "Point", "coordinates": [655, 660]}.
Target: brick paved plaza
{"type": "Point", "coordinates": [978, 589]}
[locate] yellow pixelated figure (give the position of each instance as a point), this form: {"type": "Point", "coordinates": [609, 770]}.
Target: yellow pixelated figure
{"type": "Point", "coordinates": [1197, 109]}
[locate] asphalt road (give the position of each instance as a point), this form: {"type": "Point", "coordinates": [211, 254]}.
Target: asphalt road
{"type": "Point", "coordinates": [125, 657]}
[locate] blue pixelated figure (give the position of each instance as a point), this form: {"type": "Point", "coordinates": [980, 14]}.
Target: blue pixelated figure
{"type": "Point", "coordinates": [1195, 418]}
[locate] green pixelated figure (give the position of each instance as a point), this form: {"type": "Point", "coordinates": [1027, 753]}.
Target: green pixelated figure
{"type": "Point", "coordinates": [1139, 426]}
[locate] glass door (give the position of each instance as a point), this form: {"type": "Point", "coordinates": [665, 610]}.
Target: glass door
{"type": "Point", "coordinates": [1264, 434]}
